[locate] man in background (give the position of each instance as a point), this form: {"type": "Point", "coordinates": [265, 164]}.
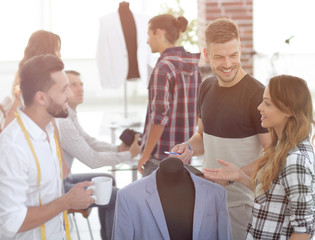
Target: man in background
{"type": "Point", "coordinates": [172, 108]}
{"type": "Point", "coordinates": [76, 143]}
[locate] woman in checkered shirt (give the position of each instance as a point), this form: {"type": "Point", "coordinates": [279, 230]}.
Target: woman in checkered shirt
{"type": "Point", "coordinates": [284, 181]}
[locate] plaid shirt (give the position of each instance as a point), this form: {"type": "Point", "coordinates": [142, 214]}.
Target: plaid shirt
{"type": "Point", "coordinates": [288, 206]}
{"type": "Point", "coordinates": [173, 89]}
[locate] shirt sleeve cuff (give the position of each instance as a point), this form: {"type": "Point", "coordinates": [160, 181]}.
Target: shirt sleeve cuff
{"type": "Point", "coordinates": [160, 120]}
{"type": "Point", "coordinates": [11, 226]}
{"type": "Point", "coordinates": [308, 229]}
{"type": "Point", "coordinates": [113, 148]}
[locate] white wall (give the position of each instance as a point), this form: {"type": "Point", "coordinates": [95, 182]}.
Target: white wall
{"type": "Point", "coordinates": [76, 22]}
{"type": "Point", "coordinates": [274, 22]}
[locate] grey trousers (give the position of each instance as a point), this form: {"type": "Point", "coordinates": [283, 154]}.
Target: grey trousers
{"type": "Point", "coordinates": [240, 217]}
{"type": "Point", "coordinates": [105, 213]}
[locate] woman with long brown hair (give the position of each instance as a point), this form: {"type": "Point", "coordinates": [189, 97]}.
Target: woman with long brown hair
{"type": "Point", "coordinates": [40, 42]}
{"type": "Point", "coordinates": [284, 180]}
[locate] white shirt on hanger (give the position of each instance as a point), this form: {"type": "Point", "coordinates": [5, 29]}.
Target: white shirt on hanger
{"type": "Point", "coordinates": [112, 55]}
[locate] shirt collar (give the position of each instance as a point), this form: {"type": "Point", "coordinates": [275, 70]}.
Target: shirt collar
{"type": "Point", "coordinates": [33, 129]}
{"type": "Point", "coordinates": [167, 51]}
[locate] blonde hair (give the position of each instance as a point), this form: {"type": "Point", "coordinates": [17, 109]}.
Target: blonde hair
{"type": "Point", "coordinates": [290, 95]}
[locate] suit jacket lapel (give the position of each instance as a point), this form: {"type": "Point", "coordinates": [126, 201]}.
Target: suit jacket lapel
{"type": "Point", "coordinates": [154, 203]}
{"type": "Point", "coordinates": [200, 202]}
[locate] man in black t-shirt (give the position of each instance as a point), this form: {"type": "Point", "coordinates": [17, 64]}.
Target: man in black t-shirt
{"type": "Point", "coordinates": [229, 125]}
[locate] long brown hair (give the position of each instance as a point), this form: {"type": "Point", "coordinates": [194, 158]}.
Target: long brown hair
{"type": "Point", "coordinates": [288, 94]}
{"type": "Point", "coordinates": [40, 42]}
{"type": "Point", "coordinates": [172, 26]}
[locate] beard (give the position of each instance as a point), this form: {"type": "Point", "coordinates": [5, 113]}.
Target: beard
{"type": "Point", "coordinates": [57, 110]}
{"type": "Point", "coordinates": [230, 78]}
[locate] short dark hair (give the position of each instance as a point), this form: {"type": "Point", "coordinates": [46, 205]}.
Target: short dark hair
{"type": "Point", "coordinates": [36, 73]}
{"type": "Point", "coordinates": [221, 30]}
{"type": "Point", "coordinates": [73, 72]}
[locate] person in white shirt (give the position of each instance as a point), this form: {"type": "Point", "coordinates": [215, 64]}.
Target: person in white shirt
{"type": "Point", "coordinates": [76, 143]}
{"type": "Point", "coordinates": [31, 202]}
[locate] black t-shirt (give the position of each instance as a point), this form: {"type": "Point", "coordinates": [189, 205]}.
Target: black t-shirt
{"type": "Point", "coordinates": [231, 112]}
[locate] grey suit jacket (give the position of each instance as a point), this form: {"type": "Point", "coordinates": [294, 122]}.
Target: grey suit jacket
{"type": "Point", "coordinates": [139, 213]}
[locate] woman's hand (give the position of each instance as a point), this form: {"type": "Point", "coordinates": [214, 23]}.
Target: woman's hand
{"type": "Point", "coordinates": [229, 172]}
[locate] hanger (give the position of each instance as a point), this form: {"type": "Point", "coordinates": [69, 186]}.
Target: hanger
{"type": "Point", "coordinates": [124, 5]}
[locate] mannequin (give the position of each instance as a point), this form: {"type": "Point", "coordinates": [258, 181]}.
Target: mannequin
{"type": "Point", "coordinates": [130, 33]}
{"type": "Point", "coordinates": [162, 206]}
{"type": "Point", "coordinates": [177, 195]}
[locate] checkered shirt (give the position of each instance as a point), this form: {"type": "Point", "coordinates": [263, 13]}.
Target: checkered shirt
{"type": "Point", "coordinates": [173, 89]}
{"type": "Point", "coordinates": [288, 206]}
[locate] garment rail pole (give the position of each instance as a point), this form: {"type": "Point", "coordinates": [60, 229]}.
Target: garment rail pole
{"type": "Point", "coordinates": [125, 99]}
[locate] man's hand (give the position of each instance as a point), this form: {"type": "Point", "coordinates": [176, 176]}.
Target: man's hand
{"type": "Point", "coordinates": [141, 162]}
{"type": "Point", "coordinates": [123, 147]}
{"type": "Point", "coordinates": [79, 197]}
{"type": "Point", "coordinates": [184, 151]}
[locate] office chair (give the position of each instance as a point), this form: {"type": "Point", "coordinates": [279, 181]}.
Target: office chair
{"type": "Point", "coordinates": [85, 213]}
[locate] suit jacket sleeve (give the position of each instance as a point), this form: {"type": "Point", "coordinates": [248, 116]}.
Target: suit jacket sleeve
{"type": "Point", "coordinates": [123, 225]}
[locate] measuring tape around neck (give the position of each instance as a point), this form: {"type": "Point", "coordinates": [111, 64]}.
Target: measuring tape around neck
{"type": "Point", "coordinates": [42, 227]}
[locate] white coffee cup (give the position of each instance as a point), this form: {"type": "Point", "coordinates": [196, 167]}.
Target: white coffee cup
{"type": "Point", "coordinates": [102, 189]}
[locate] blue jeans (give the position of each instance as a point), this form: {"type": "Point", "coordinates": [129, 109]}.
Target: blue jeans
{"type": "Point", "coordinates": [105, 213]}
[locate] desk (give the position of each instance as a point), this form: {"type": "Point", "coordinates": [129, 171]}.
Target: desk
{"type": "Point", "coordinates": [132, 168]}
